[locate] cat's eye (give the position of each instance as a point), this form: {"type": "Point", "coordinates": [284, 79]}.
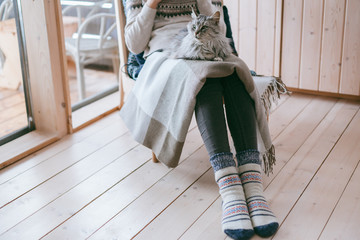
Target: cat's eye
{"type": "Point", "coordinates": [204, 28]}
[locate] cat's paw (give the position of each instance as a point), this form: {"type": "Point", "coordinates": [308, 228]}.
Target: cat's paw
{"type": "Point", "coordinates": [219, 59]}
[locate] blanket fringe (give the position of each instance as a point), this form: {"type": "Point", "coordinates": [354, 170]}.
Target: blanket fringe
{"type": "Point", "coordinates": [272, 94]}
{"type": "Point", "coordinates": [269, 160]}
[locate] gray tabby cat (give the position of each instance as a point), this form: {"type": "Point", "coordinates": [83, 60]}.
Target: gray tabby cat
{"type": "Point", "coordinates": [202, 40]}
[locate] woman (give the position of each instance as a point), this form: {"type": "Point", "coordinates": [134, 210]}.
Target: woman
{"type": "Point", "coordinates": [185, 86]}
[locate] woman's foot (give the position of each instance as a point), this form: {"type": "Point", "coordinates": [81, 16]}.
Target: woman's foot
{"type": "Point", "coordinates": [263, 219]}
{"type": "Point", "coordinates": [236, 221]}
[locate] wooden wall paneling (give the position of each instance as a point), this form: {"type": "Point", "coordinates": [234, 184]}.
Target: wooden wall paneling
{"type": "Point", "coordinates": [265, 45]}
{"type": "Point", "coordinates": [247, 32]}
{"type": "Point", "coordinates": [350, 71]}
{"type": "Point", "coordinates": [44, 59]}
{"type": "Point", "coordinates": [332, 40]}
{"type": "Point", "coordinates": [120, 26]}
{"type": "Point", "coordinates": [64, 111]}
{"type": "Point", "coordinates": [233, 9]}
{"type": "Point", "coordinates": [278, 29]}
{"type": "Point", "coordinates": [311, 44]}
{"type": "Point", "coordinates": [291, 42]}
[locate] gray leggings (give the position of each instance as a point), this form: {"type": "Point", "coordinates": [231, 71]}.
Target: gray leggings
{"type": "Point", "coordinates": [240, 115]}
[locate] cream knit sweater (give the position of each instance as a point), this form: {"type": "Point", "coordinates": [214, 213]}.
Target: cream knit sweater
{"type": "Point", "coordinates": [148, 32]}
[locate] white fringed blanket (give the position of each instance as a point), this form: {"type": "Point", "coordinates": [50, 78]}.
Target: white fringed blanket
{"type": "Point", "coordinates": [159, 109]}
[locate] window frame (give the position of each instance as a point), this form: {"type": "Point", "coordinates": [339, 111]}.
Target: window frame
{"type": "Point", "coordinates": [49, 89]}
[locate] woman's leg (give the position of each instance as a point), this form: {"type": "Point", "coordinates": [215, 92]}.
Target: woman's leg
{"type": "Point", "coordinates": [211, 122]}
{"type": "Point", "coordinates": [241, 118]}
{"type": "Point", "coordinates": [240, 114]}
{"type": "Point", "coordinates": [210, 117]}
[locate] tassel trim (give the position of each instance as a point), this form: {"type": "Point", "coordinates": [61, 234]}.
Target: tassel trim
{"type": "Point", "coordinates": [272, 94]}
{"type": "Point", "coordinates": [269, 160]}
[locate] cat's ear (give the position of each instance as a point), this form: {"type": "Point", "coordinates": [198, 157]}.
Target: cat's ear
{"type": "Point", "coordinates": [216, 17]}
{"type": "Point", "coordinates": [194, 14]}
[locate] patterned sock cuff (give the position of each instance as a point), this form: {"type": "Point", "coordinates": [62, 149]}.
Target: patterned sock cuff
{"type": "Point", "coordinates": [222, 160]}
{"type": "Point", "coordinates": [248, 156]}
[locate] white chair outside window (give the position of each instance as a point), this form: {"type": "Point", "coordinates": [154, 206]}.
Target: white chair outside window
{"type": "Point", "coordinates": [87, 46]}
{"type": "Point", "coordinates": [6, 9]}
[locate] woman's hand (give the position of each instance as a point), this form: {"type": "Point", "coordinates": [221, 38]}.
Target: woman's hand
{"type": "Point", "coordinates": [153, 3]}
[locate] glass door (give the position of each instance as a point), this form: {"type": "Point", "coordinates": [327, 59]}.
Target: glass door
{"type": "Point", "coordinates": [92, 56]}
{"type": "Point", "coordinates": [15, 102]}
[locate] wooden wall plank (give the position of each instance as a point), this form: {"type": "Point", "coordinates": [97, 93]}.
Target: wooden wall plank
{"type": "Point", "coordinates": [278, 30]}
{"type": "Point", "coordinates": [332, 40]}
{"type": "Point", "coordinates": [291, 42]}
{"type": "Point", "coordinates": [247, 32]}
{"type": "Point", "coordinates": [350, 72]}
{"type": "Point", "coordinates": [311, 42]}
{"type": "Point", "coordinates": [256, 29]}
{"type": "Point", "coordinates": [233, 10]}
{"type": "Point", "coordinates": [45, 53]}
{"type": "Point", "coordinates": [265, 50]}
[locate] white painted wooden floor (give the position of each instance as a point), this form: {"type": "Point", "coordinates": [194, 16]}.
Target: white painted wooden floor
{"type": "Point", "coordinates": [100, 184]}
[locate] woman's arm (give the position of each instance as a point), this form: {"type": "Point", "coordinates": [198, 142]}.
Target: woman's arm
{"type": "Point", "coordinates": [153, 3]}
{"type": "Point", "coordinates": [139, 24]}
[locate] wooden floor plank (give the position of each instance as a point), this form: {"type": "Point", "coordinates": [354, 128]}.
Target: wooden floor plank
{"type": "Point", "coordinates": [11, 101]}
{"type": "Point", "coordinates": [96, 81]}
{"type": "Point", "coordinates": [119, 196]}
{"type": "Point", "coordinates": [30, 203]}
{"type": "Point", "coordinates": [276, 104]}
{"type": "Point", "coordinates": [344, 222]}
{"type": "Point", "coordinates": [290, 183]}
{"type": "Point", "coordinates": [77, 198]}
{"type": "Point", "coordinates": [47, 169]}
{"type": "Point", "coordinates": [208, 225]}
{"type": "Point", "coordinates": [42, 155]}
{"type": "Point", "coordinates": [12, 112]}
{"type": "Point", "coordinates": [17, 122]}
{"type": "Point", "coordinates": [195, 200]}
{"type": "Point", "coordinates": [298, 130]}
{"type": "Point", "coordinates": [110, 194]}
{"type": "Point", "coordinates": [287, 112]}
{"type": "Point", "coordinates": [316, 204]}
{"type": "Point", "coordinates": [5, 93]}
{"type": "Point", "coordinates": [143, 210]}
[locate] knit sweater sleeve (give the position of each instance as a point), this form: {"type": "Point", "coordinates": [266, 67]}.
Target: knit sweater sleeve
{"type": "Point", "coordinates": [139, 25]}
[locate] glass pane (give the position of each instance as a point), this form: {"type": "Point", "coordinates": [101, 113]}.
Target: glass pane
{"type": "Point", "coordinates": [91, 48]}
{"type": "Point", "coordinates": [14, 117]}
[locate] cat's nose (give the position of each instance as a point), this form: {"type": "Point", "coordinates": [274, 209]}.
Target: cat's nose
{"type": "Point", "coordinates": [197, 34]}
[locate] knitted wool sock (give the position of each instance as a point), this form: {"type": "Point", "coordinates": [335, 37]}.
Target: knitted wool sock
{"type": "Point", "coordinates": [235, 221]}
{"type": "Point", "coordinates": [263, 220]}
